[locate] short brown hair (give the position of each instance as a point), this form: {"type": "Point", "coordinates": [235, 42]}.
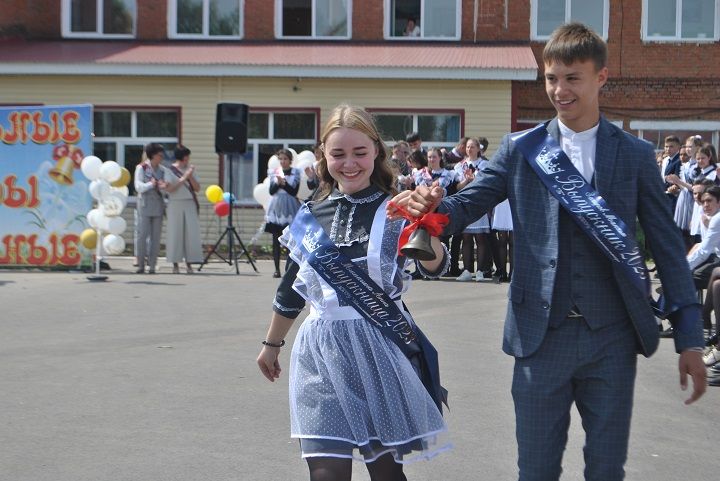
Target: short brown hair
{"type": "Point", "coordinates": [573, 42]}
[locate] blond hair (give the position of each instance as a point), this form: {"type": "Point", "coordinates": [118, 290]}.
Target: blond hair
{"type": "Point", "coordinates": [356, 118]}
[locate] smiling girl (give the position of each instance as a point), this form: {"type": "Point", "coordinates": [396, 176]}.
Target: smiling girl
{"type": "Point", "coordinates": [353, 393]}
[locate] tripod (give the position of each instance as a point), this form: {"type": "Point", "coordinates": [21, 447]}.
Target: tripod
{"type": "Point", "coordinates": [230, 233]}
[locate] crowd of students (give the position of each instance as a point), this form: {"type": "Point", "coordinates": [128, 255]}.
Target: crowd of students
{"type": "Point", "coordinates": [484, 243]}
{"type": "Point", "coordinates": [690, 173]}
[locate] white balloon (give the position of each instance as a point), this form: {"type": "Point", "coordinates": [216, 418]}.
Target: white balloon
{"type": "Point", "coordinates": [273, 163]}
{"type": "Point", "coordinates": [112, 225]}
{"type": "Point", "coordinates": [304, 159]}
{"type": "Point", "coordinates": [113, 203]}
{"type": "Point", "coordinates": [261, 193]}
{"type": "Point", "coordinates": [114, 244]}
{"type": "Point", "coordinates": [304, 191]}
{"type": "Point", "coordinates": [110, 171]}
{"type": "Point", "coordinates": [124, 191]}
{"type": "Point", "coordinates": [93, 218]}
{"type": "Point", "coordinates": [90, 167]}
{"type": "Point", "coordinates": [99, 188]}
{"type": "Point", "coordinates": [102, 221]}
{"type": "Point", "coordinates": [294, 156]}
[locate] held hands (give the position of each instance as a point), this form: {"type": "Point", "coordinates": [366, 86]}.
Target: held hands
{"type": "Point", "coordinates": [268, 362]}
{"type": "Point", "coordinates": [417, 202]}
{"type": "Point", "coordinates": [691, 363]}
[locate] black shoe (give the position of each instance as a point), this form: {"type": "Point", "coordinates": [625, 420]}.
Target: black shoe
{"type": "Point", "coordinates": [104, 266]}
{"type": "Point", "coordinates": [140, 271]}
{"type": "Point", "coordinates": [666, 333]}
{"type": "Point", "coordinates": [276, 275]}
{"type": "Point", "coordinates": [416, 275]}
{"type": "Point", "coordinates": [712, 340]}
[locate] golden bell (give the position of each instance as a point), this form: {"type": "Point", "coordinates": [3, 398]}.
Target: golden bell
{"type": "Point", "coordinates": [418, 246]}
{"type": "Point", "coordinates": [62, 173]}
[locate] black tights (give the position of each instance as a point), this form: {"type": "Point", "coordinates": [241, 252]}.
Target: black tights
{"type": "Point", "coordinates": [500, 241]}
{"type": "Point", "coordinates": [340, 469]}
{"type": "Point", "coordinates": [276, 251]}
{"type": "Point", "coordinates": [481, 243]}
{"type": "Point", "coordinates": [712, 299]}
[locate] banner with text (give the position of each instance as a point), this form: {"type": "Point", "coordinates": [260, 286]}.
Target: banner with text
{"type": "Point", "coordinates": [43, 194]}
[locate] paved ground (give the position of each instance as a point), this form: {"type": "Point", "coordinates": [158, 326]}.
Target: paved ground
{"type": "Point", "coordinates": [154, 378]}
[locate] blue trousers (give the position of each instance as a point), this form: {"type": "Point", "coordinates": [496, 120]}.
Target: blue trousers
{"type": "Point", "coordinates": [596, 371]}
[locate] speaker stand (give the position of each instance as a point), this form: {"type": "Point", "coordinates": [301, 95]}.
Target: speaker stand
{"type": "Point", "coordinates": [234, 250]}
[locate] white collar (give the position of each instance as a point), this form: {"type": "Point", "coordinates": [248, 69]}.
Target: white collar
{"type": "Point", "coordinates": [585, 135]}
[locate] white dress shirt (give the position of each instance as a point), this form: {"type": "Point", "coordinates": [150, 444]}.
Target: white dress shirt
{"type": "Point", "coordinates": [580, 148]}
{"type": "Point", "coordinates": [710, 244]}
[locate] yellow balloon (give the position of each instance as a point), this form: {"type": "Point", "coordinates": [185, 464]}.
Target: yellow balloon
{"type": "Point", "coordinates": [88, 238]}
{"type": "Point", "coordinates": [214, 193]}
{"type": "Point", "coordinates": [124, 178]}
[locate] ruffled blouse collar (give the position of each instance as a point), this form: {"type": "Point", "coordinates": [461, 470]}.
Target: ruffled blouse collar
{"type": "Point", "coordinates": [364, 196]}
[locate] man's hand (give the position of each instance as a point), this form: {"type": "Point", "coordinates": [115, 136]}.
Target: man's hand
{"type": "Point", "coordinates": [691, 363]}
{"type": "Point", "coordinates": [417, 202]}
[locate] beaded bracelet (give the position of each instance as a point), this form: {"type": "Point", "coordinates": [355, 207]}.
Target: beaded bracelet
{"type": "Point", "coordinates": [272, 344]}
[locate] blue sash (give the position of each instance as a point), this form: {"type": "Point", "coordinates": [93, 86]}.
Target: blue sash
{"type": "Point", "coordinates": [589, 210]}
{"type": "Point", "coordinates": [355, 287]}
{"type": "Point", "coordinates": [585, 205]}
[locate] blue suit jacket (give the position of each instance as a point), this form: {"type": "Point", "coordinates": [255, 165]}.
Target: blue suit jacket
{"type": "Point", "coordinates": [626, 176]}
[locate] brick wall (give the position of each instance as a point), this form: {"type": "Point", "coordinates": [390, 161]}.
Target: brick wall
{"type": "Point", "coordinates": [151, 20]}
{"type": "Point", "coordinates": [367, 20]}
{"type": "Point", "coordinates": [638, 99]}
{"type": "Point", "coordinates": [259, 20]}
{"type": "Point", "coordinates": [30, 19]}
{"type": "Point", "coordinates": [491, 22]}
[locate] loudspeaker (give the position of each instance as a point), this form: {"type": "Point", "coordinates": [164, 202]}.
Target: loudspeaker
{"type": "Point", "coordinates": [231, 128]}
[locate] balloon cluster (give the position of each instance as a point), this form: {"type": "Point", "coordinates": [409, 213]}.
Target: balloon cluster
{"type": "Point", "coordinates": [108, 186]}
{"type": "Point", "coordinates": [222, 200]}
{"type": "Point", "coordinates": [300, 161]}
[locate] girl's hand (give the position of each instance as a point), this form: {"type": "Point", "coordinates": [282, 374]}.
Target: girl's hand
{"type": "Point", "coordinates": [268, 362]}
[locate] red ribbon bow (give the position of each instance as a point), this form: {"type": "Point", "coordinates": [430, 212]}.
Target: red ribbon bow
{"type": "Point", "coordinates": [433, 223]}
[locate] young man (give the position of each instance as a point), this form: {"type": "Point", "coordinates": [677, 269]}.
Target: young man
{"type": "Point", "coordinates": [671, 166]}
{"type": "Point", "coordinates": [577, 318]}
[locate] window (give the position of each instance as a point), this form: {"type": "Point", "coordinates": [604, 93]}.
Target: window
{"type": "Point", "coordinates": [435, 129]}
{"type": "Point", "coordinates": [547, 15]}
{"type": "Point", "coordinates": [199, 19]}
{"type": "Point", "coordinates": [423, 19]}
{"type": "Point", "coordinates": [678, 20]}
{"type": "Point", "coordinates": [99, 18]}
{"type": "Point", "coordinates": [120, 135]}
{"type": "Point", "coordinates": [313, 18]}
{"type": "Point", "coordinates": [267, 133]}
{"type": "Point", "coordinates": [655, 131]}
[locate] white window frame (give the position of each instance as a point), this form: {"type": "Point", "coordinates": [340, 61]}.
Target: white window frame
{"type": "Point", "coordinates": [678, 26]}
{"type": "Point", "coordinates": [387, 24]}
{"type": "Point", "coordinates": [253, 144]}
{"type": "Point", "coordinates": [696, 126]}
{"type": "Point", "coordinates": [66, 20]}
{"type": "Point", "coordinates": [205, 35]}
{"type": "Point", "coordinates": [415, 125]}
{"type": "Point", "coordinates": [616, 123]}
{"type": "Point", "coordinates": [312, 36]}
{"type": "Point", "coordinates": [568, 17]}
{"type": "Point", "coordinates": [134, 139]}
